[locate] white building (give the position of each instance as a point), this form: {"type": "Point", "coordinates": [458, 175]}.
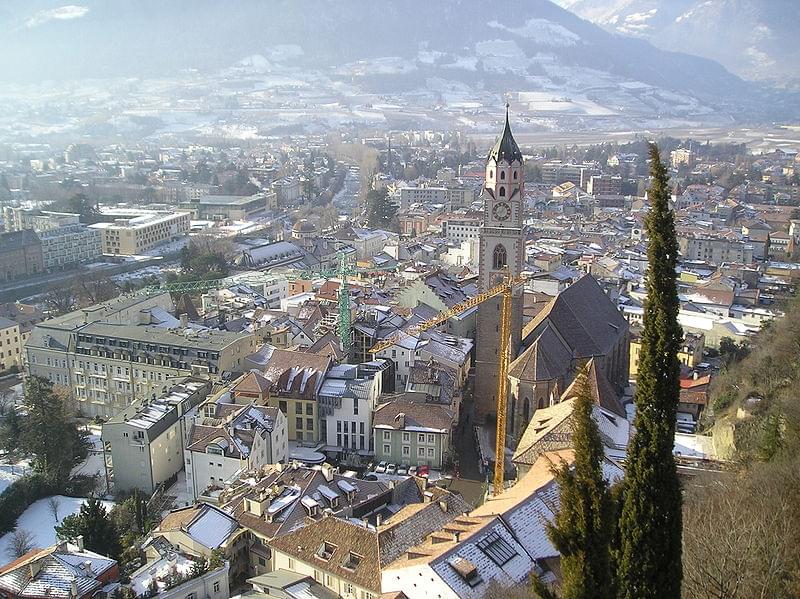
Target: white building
{"type": "Point", "coordinates": [347, 399]}
{"type": "Point", "coordinates": [233, 431]}
{"type": "Point", "coordinates": [68, 245]}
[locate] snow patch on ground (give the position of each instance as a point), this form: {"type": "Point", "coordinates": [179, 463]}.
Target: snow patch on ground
{"type": "Point", "coordinates": [542, 32]}
{"type": "Point", "coordinates": [38, 521]}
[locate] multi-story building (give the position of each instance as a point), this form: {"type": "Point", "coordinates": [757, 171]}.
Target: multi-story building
{"type": "Point", "coordinates": [19, 219]}
{"type": "Point", "coordinates": [143, 444]}
{"type": "Point", "coordinates": [556, 172]}
{"type": "Point", "coordinates": [287, 190]}
{"type": "Point", "coordinates": [233, 431]}
{"type": "Point", "coordinates": [128, 348]}
{"type": "Point", "coordinates": [223, 207]}
{"type": "Point", "coordinates": [459, 196]}
{"type": "Point", "coordinates": [142, 231]}
{"type": "Point", "coordinates": [69, 244]}
{"type": "Point", "coordinates": [458, 229]}
{"type": "Point", "coordinates": [690, 353]}
{"type": "Point", "coordinates": [681, 157]}
{"type": "Point", "coordinates": [347, 399]}
{"type": "Point", "coordinates": [20, 255]}
{"type": "Point", "coordinates": [413, 433]}
{"type": "Point", "coordinates": [715, 249]}
{"type": "Point", "coordinates": [10, 344]}
{"type": "Point", "coordinates": [295, 382]}
{"type": "Point", "coordinates": [422, 195]}
{"type": "Point", "coordinates": [604, 185]}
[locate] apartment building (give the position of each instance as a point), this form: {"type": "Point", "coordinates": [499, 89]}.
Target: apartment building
{"type": "Point", "coordinates": [20, 255]}
{"type": "Point", "coordinates": [141, 231]}
{"type": "Point", "coordinates": [10, 344]}
{"type": "Point", "coordinates": [715, 249]}
{"type": "Point", "coordinates": [458, 229]}
{"type": "Point", "coordinates": [129, 348]}
{"type": "Point", "coordinates": [422, 195]}
{"type": "Point", "coordinates": [70, 244]}
{"type": "Point", "coordinates": [19, 219]}
{"type": "Point", "coordinates": [413, 433]}
{"type": "Point", "coordinates": [225, 207]}
{"type": "Point", "coordinates": [143, 444]}
{"type": "Point", "coordinates": [232, 431]}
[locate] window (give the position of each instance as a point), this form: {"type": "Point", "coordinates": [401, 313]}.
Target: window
{"type": "Point", "coordinates": [502, 175]}
{"type": "Point", "coordinates": [421, 452]}
{"type": "Point", "coordinates": [387, 435]}
{"type": "Point", "coordinates": [191, 596]}
{"type": "Point", "coordinates": [298, 408]}
{"type": "Point", "coordinates": [262, 561]}
{"type": "Point", "coordinates": [351, 562]}
{"type": "Point", "coordinates": [421, 438]}
{"type": "Point", "coordinates": [309, 409]}
{"type": "Point", "coordinates": [325, 551]}
{"type": "Point", "coordinates": [406, 450]}
{"type": "Point", "coordinates": [515, 175]}
{"type": "Point", "coordinates": [499, 257]}
{"type": "Point", "coordinates": [309, 424]}
{"type": "Point", "coordinates": [497, 549]}
{"type": "Point", "coordinates": [298, 423]}
{"type": "Point", "coordinates": [348, 589]}
{"type": "Point", "coordinates": [387, 449]}
{"type": "Point", "coordinates": [355, 407]}
{"type": "Point", "coordinates": [216, 586]}
{"type": "Point", "coordinates": [431, 451]}
{"type": "Point", "coordinates": [430, 439]}
{"type": "Point", "coordinates": [502, 192]}
{"type": "Point", "coordinates": [406, 437]}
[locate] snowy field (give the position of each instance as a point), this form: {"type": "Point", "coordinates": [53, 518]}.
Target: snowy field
{"type": "Point", "coordinates": [11, 472]}
{"type": "Point", "coordinates": [38, 520]}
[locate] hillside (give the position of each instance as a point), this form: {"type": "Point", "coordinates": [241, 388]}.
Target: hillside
{"type": "Point", "coordinates": [529, 45]}
{"type": "Point", "coordinates": [751, 38]}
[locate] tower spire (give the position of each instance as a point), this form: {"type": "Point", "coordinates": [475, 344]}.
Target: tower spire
{"type": "Point", "coordinates": [506, 147]}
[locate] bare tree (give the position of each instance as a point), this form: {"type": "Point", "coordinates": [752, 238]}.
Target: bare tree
{"type": "Point", "coordinates": [61, 300]}
{"type": "Point", "coordinates": [740, 536]}
{"type": "Point", "coordinates": [21, 543]}
{"type": "Point", "coordinates": [53, 505]}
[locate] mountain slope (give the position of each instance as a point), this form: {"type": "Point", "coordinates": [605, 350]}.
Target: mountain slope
{"type": "Point", "coordinates": [756, 39]}
{"type": "Point", "coordinates": [527, 46]}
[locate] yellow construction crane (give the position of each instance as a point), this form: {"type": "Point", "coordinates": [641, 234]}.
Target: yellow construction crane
{"type": "Point", "coordinates": [504, 289]}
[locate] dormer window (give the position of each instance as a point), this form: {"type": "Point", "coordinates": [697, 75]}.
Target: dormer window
{"type": "Point", "coordinates": [325, 551]}
{"type": "Point", "coordinates": [352, 561]}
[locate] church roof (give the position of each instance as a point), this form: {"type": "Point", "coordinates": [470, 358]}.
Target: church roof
{"type": "Point", "coordinates": [505, 148]}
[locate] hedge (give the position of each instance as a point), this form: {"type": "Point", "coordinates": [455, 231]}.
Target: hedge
{"type": "Point", "coordinates": [30, 488]}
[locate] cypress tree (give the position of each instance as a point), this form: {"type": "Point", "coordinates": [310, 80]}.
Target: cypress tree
{"type": "Point", "coordinates": [584, 523]}
{"type": "Point", "coordinates": [649, 555]}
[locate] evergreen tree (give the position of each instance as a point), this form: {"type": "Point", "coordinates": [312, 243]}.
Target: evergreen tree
{"type": "Point", "coordinates": [584, 523]}
{"type": "Point", "coordinates": [97, 528]}
{"type": "Point", "coordinates": [380, 210]}
{"type": "Point", "coordinates": [649, 556]}
{"type": "Point", "coordinates": [49, 431]}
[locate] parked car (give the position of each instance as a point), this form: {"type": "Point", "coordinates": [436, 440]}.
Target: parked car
{"type": "Point", "coordinates": [402, 469]}
{"type": "Point", "coordinates": [381, 467]}
{"type": "Point", "coordinates": [391, 469]}
{"type": "Point", "coordinates": [412, 470]}
{"type": "Point", "coordinates": [423, 471]}
{"type": "Point", "coordinates": [371, 476]}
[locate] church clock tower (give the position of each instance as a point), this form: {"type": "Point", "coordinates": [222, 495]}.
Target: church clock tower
{"type": "Point", "coordinates": [502, 253]}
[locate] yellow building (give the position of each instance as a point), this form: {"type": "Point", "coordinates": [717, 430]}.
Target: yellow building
{"type": "Point", "coordinates": [10, 345]}
{"type": "Point", "coordinates": [142, 231]}
{"type": "Point", "coordinates": [690, 355]}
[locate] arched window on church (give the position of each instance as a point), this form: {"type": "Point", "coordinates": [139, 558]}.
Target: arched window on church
{"type": "Point", "coordinates": [502, 192]}
{"type": "Point", "coordinates": [491, 174]}
{"type": "Point", "coordinates": [499, 257]}
{"type": "Point", "coordinates": [526, 411]}
{"type": "Point", "coordinates": [541, 403]}
{"type": "Point", "coordinates": [503, 175]}
{"type": "Point", "coordinates": [515, 174]}
{"type": "Point", "coordinates": [512, 413]}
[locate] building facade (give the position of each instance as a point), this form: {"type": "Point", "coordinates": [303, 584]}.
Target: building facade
{"type": "Point", "coordinates": [20, 255]}
{"type": "Point", "coordinates": [142, 232]}
{"type": "Point", "coordinates": [69, 244]}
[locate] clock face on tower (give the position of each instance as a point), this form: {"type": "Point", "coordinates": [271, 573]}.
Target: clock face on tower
{"type": "Point", "coordinates": [501, 211]}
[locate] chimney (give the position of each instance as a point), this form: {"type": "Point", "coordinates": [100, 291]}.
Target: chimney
{"type": "Point", "coordinates": [378, 520]}
{"type": "Point", "coordinates": [79, 540]}
{"type": "Point", "coordinates": [87, 567]}
{"type": "Point", "coordinates": [184, 320]}
{"type": "Point", "coordinates": [73, 589]}
{"type": "Point", "coordinates": [456, 535]}
{"type": "Point", "coordinates": [327, 472]}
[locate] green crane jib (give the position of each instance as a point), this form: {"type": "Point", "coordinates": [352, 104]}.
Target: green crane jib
{"type": "Point", "coordinates": [345, 332]}
{"type": "Point", "coordinates": [185, 286]}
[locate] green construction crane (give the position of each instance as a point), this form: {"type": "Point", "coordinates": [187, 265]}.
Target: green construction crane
{"type": "Point", "coordinates": [345, 332]}
{"type": "Point", "coordinates": [185, 286]}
